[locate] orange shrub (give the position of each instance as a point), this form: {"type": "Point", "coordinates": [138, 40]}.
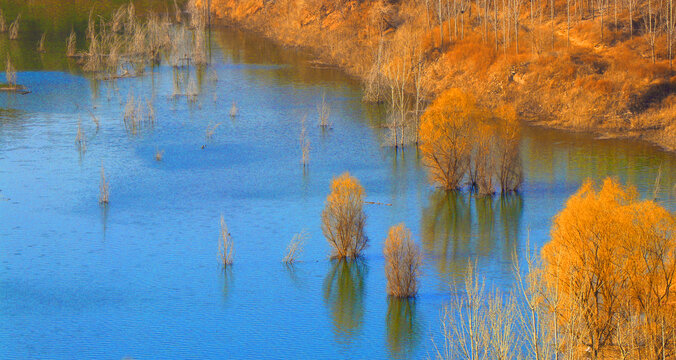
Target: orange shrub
{"type": "Point", "coordinates": [612, 262]}
{"type": "Point", "coordinates": [402, 262]}
{"type": "Point", "coordinates": [444, 133]}
{"type": "Point", "coordinates": [343, 217]}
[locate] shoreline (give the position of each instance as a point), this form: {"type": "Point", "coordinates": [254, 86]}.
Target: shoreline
{"type": "Point", "coordinates": [258, 22]}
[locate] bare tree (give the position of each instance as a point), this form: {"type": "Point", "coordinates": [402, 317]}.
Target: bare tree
{"type": "Point", "coordinates": [631, 5]}
{"type": "Point", "coordinates": [440, 15]}
{"type": "Point", "coordinates": [601, 11]}
{"type": "Point", "coordinates": [651, 29]}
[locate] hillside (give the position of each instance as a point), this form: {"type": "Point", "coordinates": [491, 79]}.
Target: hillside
{"type": "Point", "coordinates": [600, 66]}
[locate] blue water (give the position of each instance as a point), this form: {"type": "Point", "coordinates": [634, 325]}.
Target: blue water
{"type": "Point", "coordinates": [140, 278]}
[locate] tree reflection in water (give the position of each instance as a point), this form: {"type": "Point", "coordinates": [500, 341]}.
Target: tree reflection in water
{"type": "Point", "coordinates": [458, 227]}
{"type": "Point", "coordinates": [403, 328]}
{"type": "Point", "coordinates": [344, 296]}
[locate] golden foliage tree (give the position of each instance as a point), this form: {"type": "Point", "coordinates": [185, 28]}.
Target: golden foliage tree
{"type": "Point", "coordinates": [482, 168]}
{"type": "Point", "coordinates": [402, 262]}
{"type": "Point", "coordinates": [343, 217]}
{"type": "Point", "coordinates": [444, 132]}
{"type": "Point", "coordinates": [508, 142]}
{"type": "Point", "coordinates": [612, 260]}
{"type": "Point", "coordinates": [461, 140]}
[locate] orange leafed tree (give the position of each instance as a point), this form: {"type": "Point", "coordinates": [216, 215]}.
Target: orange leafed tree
{"type": "Point", "coordinates": [446, 143]}
{"type": "Point", "coordinates": [402, 262]}
{"type": "Point", "coordinates": [508, 143]}
{"type": "Point", "coordinates": [343, 217]}
{"type": "Point", "coordinates": [612, 261]}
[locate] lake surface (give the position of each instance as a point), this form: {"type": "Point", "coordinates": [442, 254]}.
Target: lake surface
{"type": "Point", "coordinates": [140, 278]}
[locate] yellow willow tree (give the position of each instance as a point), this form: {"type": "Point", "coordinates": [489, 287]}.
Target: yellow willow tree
{"type": "Point", "coordinates": [343, 217]}
{"type": "Point", "coordinates": [612, 261]}
{"type": "Point", "coordinates": [507, 144]}
{"type": "Point", "coordinates": [482, 165]}
{"type": "Point", "coordinates": [446, 142]}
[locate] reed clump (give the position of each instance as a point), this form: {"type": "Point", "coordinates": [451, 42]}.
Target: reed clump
{"type": "Point", "coordinates": [159, 154]}
{"type": "Point", "coordinates": [3, 22]}
{"type": "Point", "coordinates": [14, 28]}
{"type": "Point", "coordinates": [103, 188]}
{"type": "Point", "coordinates": [211, 130]}
{"type": "Point", "coordinates": [225, 245]}
{"type": "Point", "coordinates": [304, 145]}
{"type": "Point", "coordinates": [343, 217]}
{"type": "Point", "coordinates": [70, 44]}
{"type": "Point", "coordinates": [324, 111]}
{"type": "Point", "coordinates": [234, 110]}
{"type": "Point", "coordinates": [80, 139]}
{"type": "Point", "coordinates": [10, 74]}
{"type": "Point", "coordinates": [125, 45]}
{"type": "Point", "coordinates": [138, 117]}
{"type": "Point", "coordinates": [402, 262]}
{"type": "Point", "coordinates": [295, 247]}
{"type": "Point", "coordinates": [41, 43]}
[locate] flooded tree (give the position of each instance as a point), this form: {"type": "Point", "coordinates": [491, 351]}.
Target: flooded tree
{"type": "Point", "coordinates": [612, 260]}
{"type": "Point", "coordinates": [343, 217]}
{"type": "Point", "coordinates": [444, 132]}
{"type": "Point", "coordinates": [402, 262]}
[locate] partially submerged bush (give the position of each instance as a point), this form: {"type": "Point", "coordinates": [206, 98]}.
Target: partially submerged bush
{"type": "Point", "coordinates": [304, 145]}
{"type": "Point", "coordinates": [70, 44]}
{"type": "Point", "coordinates": [14, 29]}
{"type": "Point", "coordinates": [159, 154]}
{"type": "Point", "coordinates": [41, 43]}
{"type": "Point", "coordinates": [446, 145]}
{"type": "Point", "coordinates": [225, 246]}
{"type": "Point", "coordinates": [508, 144]}
{"type": "Point", "coordinates": [103, 188]}
{"type": "Point", "coordinates": [343, 217]}
{"type": "Point", "coordinates": [233, 109]}
{"type": "Point", "coordinates": [324, 110]}
{"type": "Point", "coordinates": [402, 262]}
{"type": "Point", "coordinates": [135, 118]}
{"type": "Point", "coordinates": [80, 139]}
{"type": "Point", "coordinates": [295, 248]}
{"type": "Point", "coordinates": [463, 144]}
{"type": "Point", "coordinates": [10, 74]}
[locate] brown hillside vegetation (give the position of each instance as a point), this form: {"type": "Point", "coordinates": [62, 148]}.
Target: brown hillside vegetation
{"type": "Point", "coordinates": [598, 66]}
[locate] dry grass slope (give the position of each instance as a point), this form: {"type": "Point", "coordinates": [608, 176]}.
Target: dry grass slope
{"type": "Point", "coordinates": [563, 64]}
